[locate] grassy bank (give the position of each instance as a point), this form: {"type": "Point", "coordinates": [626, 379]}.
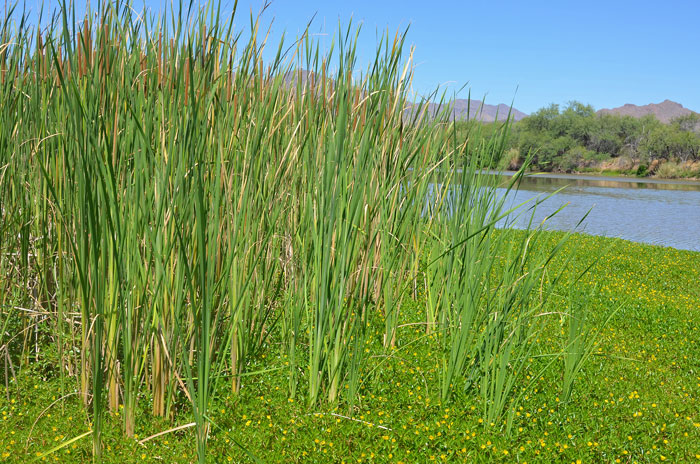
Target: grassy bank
{"type": "Point", "coordinates": [636, 402]}
{"type": "Point", "coordinates": [668, 170]}
{"type": "Point", "coordinates": [622, 167]}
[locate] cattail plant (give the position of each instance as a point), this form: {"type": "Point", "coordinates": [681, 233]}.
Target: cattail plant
{"type": "Point", "coordinates": [174, 205]}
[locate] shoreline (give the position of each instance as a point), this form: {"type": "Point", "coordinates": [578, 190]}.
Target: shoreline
{"type": "Point", "coordinates": [583, 235]}
{"type": "Point", "coordinates": [604, 177]}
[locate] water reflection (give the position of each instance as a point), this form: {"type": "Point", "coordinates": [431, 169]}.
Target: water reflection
{"type": "Point", "coordinates": [658, 212]}
{"type": "Point", "coordinates": [546, 181]}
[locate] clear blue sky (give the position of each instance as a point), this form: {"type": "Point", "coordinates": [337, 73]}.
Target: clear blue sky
{"type": "Point", "coordinates": [605, 53]}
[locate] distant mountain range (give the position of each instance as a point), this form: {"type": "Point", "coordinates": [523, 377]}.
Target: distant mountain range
{"type": "Point", "coordinates": [463, 109]}
{"type": "Point", "coordinates": [665, 111]}
{"type": "Point", "coordinates": [473, 109]}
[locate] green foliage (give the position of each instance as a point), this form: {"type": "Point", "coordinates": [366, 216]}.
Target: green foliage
{"type": "Point", "coordinates": [688, 123]}
{"type": "Point", "coordinates": [576, 138]}
{"type": "Point", "coordinates": [642, 170]}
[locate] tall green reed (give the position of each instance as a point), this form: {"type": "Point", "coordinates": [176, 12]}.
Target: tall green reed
{"type": "Point", "coordinates": [174, 204]}
{"type": "Point", "coordinates": [480, 282]}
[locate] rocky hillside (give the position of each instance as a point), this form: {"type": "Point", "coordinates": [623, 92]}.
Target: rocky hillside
{"type": "Point", "coordinates": [463, 109]}
{"type": "Point", "coordinates": [665, 111]}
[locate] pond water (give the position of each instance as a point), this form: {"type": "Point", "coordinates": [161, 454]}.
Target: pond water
{"type": "Point", "coordinates": [663, 213]}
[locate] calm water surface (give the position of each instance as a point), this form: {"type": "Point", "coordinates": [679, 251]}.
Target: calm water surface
{"type": "Point", "coordinates": [663, 213]}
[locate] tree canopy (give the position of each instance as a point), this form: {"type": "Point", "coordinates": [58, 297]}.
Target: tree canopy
{"type": "Point", "coordinates": [575, 137]}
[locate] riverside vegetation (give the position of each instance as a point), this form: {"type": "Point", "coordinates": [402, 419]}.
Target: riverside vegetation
{"type": "Point", "coordinates": [576, 139]}
{"type": "Point", "coordinates": [206, 257]}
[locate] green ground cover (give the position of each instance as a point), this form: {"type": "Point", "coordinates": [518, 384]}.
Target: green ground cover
{"type": "Point", "coordinates": [635, 400]}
